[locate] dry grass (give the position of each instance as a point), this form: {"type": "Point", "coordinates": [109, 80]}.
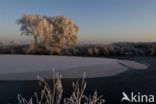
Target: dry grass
{"type": "Point", "coordinates": [54, 96]}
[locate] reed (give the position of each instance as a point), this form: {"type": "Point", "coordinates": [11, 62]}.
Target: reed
{"type": "Point", "coordinates": [53, 94]}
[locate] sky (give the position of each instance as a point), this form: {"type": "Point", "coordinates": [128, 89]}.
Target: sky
{"type": "Point", "coordinates": [99, 20]}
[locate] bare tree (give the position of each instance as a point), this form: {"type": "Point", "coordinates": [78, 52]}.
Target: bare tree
{"type": "Point", "coordinates": [52, 31]}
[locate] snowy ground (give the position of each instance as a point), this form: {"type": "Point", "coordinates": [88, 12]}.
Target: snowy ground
{"type": "Point", "coordinates": [25, 67]}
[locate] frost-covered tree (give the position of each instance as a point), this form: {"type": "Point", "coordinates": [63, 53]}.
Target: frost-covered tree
{"type": "Point", "coordinates": [52, 31]}
{"type": "Point", "coordinates": [64, 31]}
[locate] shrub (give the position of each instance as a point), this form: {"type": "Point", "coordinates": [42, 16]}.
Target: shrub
{"type": "Point", "coordinates": [90, 51]}
{"type": "Point", "coordinates": [55, 51]}
{"type": "Point", "coordinates": [96, 51]}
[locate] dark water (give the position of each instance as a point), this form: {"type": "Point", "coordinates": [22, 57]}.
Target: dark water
{"type": "Point", "coordinates": [143, 81]}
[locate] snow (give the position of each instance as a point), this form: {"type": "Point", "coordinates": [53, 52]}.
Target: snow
{"type": "Point", "coordinates": [23, 67]}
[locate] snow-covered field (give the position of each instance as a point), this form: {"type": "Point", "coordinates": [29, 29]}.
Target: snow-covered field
{"type": "Point", "coordinates": [24, 67]}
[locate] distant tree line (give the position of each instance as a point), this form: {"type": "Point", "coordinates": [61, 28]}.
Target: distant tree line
{"type": "Point", "coordinates": [114, 49]}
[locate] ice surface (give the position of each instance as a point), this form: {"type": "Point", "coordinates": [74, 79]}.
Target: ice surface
{"type": "Point", "coordinates": [23, 67]}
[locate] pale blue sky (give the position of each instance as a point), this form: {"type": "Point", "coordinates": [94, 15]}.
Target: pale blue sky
{"type": "Point", "coordinates": [99, 20]}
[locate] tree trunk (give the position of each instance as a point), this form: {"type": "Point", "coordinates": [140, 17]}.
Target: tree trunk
{"type": "Point", "coordinates": [36, 42]}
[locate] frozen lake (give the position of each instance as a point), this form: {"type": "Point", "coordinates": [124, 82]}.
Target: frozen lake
{"type": "Point", "coordinates": [24, 67]}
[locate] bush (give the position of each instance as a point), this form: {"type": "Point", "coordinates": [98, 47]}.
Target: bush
{"type": "Point", "coordinates": [90, 51]}
{"type": "Point", "coordinates": [55, 51]}
{"type": "Point", "coordinates": [96, 51]}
